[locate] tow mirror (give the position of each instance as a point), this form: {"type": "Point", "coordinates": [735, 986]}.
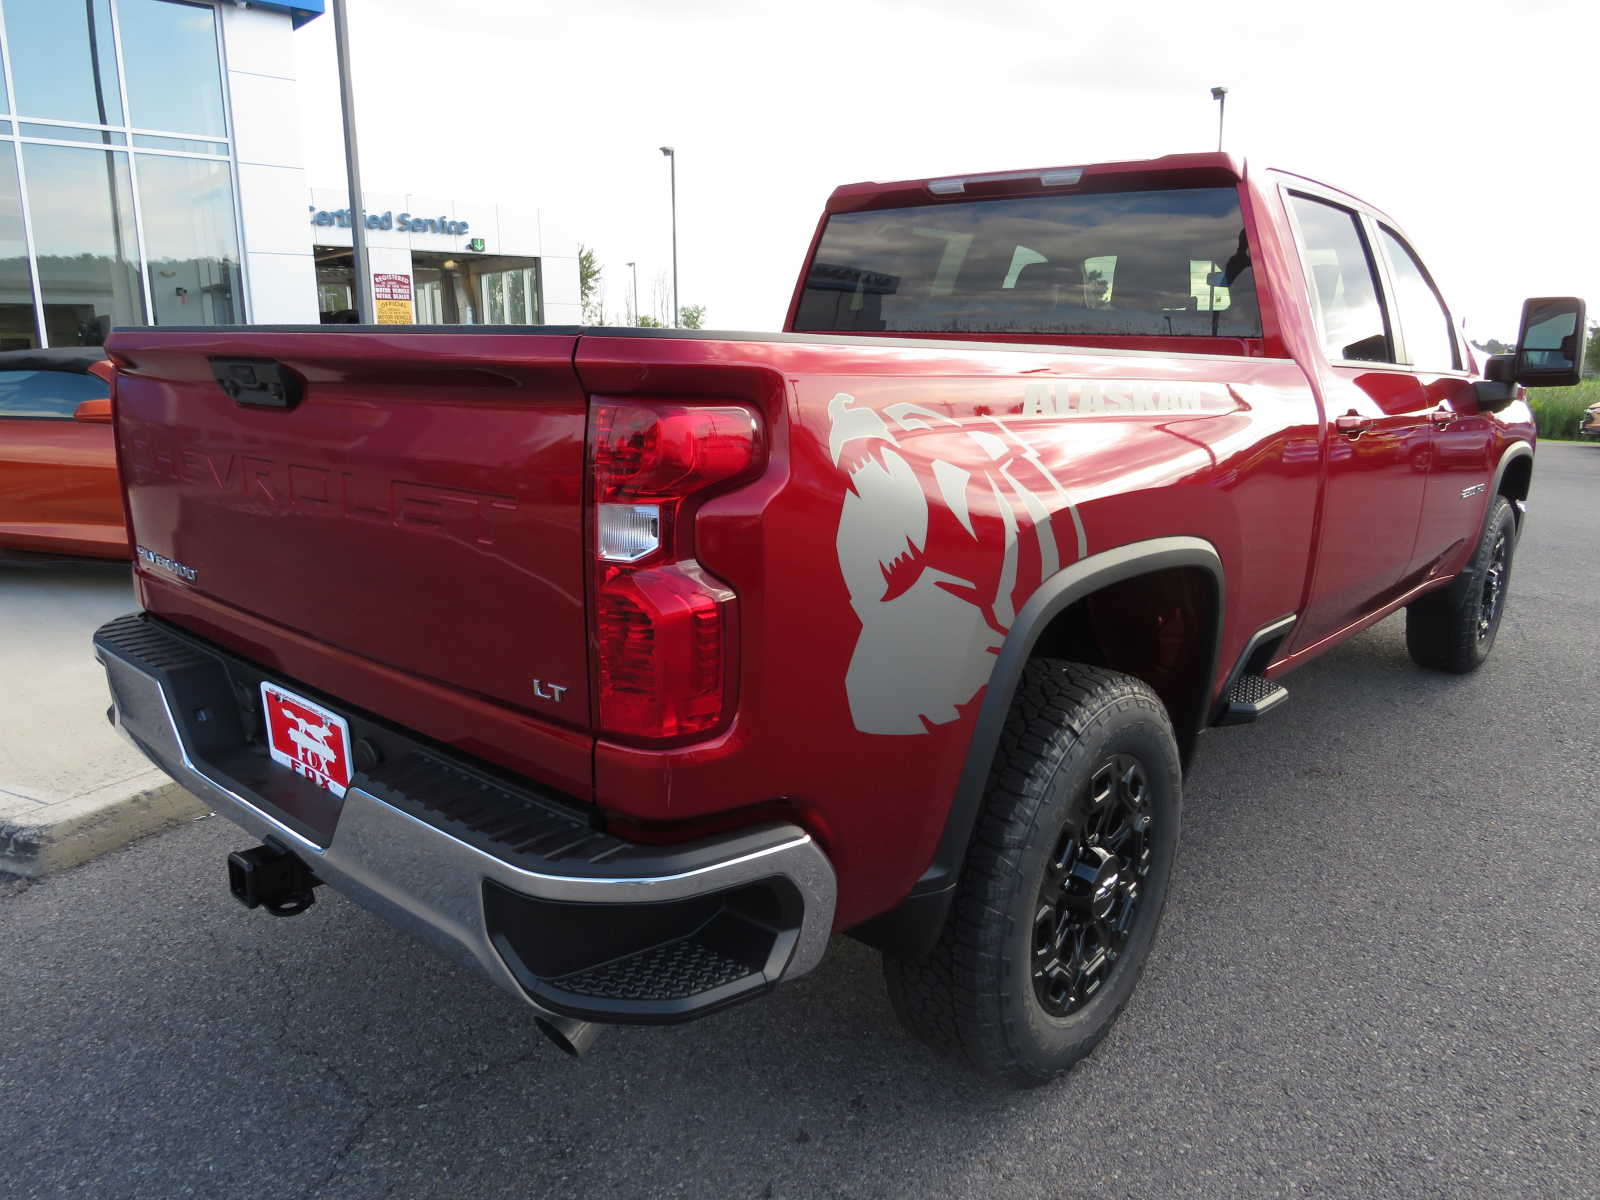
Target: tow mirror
{"type": "Point", "coordinates": [1550, 342]}
{"type": "Point", "coordinates": [94, 412]}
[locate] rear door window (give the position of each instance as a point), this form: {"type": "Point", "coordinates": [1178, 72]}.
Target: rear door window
{"type": "Point", "coordinates": [1173, 263]}
{"type": "Point", "coordinates": [1344, 289]}
{"type": "Point", "coordinates": [46, 393]}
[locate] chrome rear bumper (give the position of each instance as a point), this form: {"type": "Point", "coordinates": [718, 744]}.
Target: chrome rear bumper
{"type": "Point", "coordinates": [506, 912]}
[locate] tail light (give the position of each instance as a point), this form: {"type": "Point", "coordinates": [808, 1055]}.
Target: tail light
{"type": "Point", "coordinates": [664, 636]}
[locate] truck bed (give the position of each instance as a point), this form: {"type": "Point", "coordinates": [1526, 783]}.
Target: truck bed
{"type": "Point", "coordinates": [410, 537]}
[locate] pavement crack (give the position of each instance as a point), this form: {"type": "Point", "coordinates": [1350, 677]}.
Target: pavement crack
{"type": "Point", "coordinates": [372, 1109]}
{"type": "Point", "coordinates": [282, 1011]}
{"type": "Point", "coordinates": [345, 1148]}
{"type": "Point", "coordinates": [339, 1078]}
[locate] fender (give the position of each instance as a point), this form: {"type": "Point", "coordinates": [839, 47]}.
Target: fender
{"type": "Point", "coordinates": [1516, 450]}
{"type": "Point", "coordinates": [913, 926]}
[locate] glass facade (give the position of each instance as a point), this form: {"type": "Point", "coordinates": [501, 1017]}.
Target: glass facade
{"type": "Point", "coordinates": [63, 61]}
{"type": "Point", "coordinates": [18, 321]}
{"type": "Point", "coordinates": [449, 288]}
{"type": "Point", "coordinates": [84, 241]}
{"type": "Point", "coordinates": [511, 297]}
{"type": "Point", "coordinates": [174, 75]}
{"type": "Point", "coordinates": [189, 240]}
{"type": "Point", "coordinates": [116, 179]}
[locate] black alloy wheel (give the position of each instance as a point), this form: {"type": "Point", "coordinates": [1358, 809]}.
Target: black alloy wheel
{"type": "Point", "coordinates": [1493, 594]}
{"type": "Point", "coordinates": [1059, 898]}
{"type": "Point", "coordinates": [1453, 628]}
{"type": "Point", "coordinates": [1092, 886]}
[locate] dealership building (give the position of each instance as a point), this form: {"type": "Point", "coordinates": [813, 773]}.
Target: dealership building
{"type": "Point", "coordinates": [458, 262]}
{"type": "Point", "coordinates": [150, 173]}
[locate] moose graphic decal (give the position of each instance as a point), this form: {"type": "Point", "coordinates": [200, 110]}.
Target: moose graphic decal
{"type": "Point", "coordinates": [947, 525]}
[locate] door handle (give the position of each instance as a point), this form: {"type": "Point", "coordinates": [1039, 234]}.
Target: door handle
{"type": "Point", "coordinates": [1353, 424]}
{"type": "Point", "coordinates": [1442, 417]}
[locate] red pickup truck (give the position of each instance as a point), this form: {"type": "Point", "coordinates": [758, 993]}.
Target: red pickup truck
{"type": "Point", "coordinates": [629, 665]}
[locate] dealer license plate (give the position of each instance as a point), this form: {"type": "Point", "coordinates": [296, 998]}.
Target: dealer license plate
{"type": "Point", "coordinates": [307, 738]}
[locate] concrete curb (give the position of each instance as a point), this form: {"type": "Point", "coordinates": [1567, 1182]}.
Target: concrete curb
{"type": "Point", "coordinates": [52, 837]}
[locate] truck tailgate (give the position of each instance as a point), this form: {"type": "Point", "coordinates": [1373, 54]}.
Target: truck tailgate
{"type": "Point", "coordinates": [419, 504]}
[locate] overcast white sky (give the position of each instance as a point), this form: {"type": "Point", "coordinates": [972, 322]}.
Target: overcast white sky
{"type": "Point", "coordinates": [1472, 124]}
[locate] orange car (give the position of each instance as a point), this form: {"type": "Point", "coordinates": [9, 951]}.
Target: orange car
{"type": "Point", "coordinates": [58, 468]}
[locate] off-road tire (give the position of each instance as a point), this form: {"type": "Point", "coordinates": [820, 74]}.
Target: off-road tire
{"type": "Point", "coordinates": [974, 996]}
{"type": "Point", "coordinates": [1453, 629]}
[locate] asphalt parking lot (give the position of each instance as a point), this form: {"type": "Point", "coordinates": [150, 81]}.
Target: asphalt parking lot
{"type": "Point", "coordinates": [1377, 976]}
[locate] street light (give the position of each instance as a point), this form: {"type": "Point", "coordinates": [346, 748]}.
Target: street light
{"type": "Point", "coordinates": [359, 262]}
{"type": "Point", "coordinates": [634, 267]}
{"type": "Point", "coordinates": [1220, 95]}
{"type": "Point", "coordinates": [673, 159]}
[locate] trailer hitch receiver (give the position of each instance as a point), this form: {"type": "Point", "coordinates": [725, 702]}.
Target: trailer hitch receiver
{"type": "Point", "coordinates": [270, 877]}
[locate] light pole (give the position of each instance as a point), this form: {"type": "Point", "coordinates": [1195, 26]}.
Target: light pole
{"type": "Point", "coordinates": [634, 267]}
{"type": "Point", "coordinates": [1220, 95]}
{"type": "Point", "coordinates": [358, 222]}
{"type": "Point", "coordinates": [673, 159]}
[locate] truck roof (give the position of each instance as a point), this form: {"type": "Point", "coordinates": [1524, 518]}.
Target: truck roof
{"type": "Point", "coordinates": [1206, 169]}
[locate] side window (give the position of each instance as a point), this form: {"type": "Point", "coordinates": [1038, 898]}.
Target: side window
{"type": "Point", "coordinates": [1423, 319]}
{"type": "Point", "coordinates": [46, 393]}
{"type": "Point", "coordinates": [1343, 286]}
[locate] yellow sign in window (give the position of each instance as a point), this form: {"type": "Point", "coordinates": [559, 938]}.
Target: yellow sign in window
{"type": "Point", "coordinates": [392, 296]}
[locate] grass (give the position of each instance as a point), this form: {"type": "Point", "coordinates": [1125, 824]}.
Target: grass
{"type": "Point", "coordinates": [1559, 410]}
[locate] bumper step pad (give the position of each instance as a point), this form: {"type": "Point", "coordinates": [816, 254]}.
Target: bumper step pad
{"type": "Point", "coordinates": [677, 971]}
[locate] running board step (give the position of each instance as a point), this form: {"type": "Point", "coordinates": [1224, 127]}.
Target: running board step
{"type": "Point", "coordinates": [1250, 698]}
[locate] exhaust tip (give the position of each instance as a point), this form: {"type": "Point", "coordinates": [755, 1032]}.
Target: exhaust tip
{"type": "Point", "coordinates": [574, 1037]}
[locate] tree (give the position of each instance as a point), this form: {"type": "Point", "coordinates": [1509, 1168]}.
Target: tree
{"type": "Point", "coordinates": [661, 299]}
{"type": "Point", "coordinates": [1591, 352]}
{"type": "Point", "coordinates": [646, 321]}
{"type": "Point", "coordinates": [692, 316]}
{"type": "Point", "coordinates": [590, 295]}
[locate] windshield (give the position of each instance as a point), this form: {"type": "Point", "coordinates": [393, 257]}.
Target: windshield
{"type": "Point", "coordinates": [1141, 264]}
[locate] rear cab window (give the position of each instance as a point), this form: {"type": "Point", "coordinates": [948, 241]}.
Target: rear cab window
{"type": "Point", "coordinates": [1148, 263]}
{"type": "Point", "coordinates": [46, 393]}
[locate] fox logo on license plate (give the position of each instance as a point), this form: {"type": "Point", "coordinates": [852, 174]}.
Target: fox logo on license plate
{"type": "Point", "coordinates": [307, 738]}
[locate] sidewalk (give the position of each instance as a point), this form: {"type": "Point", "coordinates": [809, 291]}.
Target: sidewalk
{"type": "Point", "coordinates": [70, 786]}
